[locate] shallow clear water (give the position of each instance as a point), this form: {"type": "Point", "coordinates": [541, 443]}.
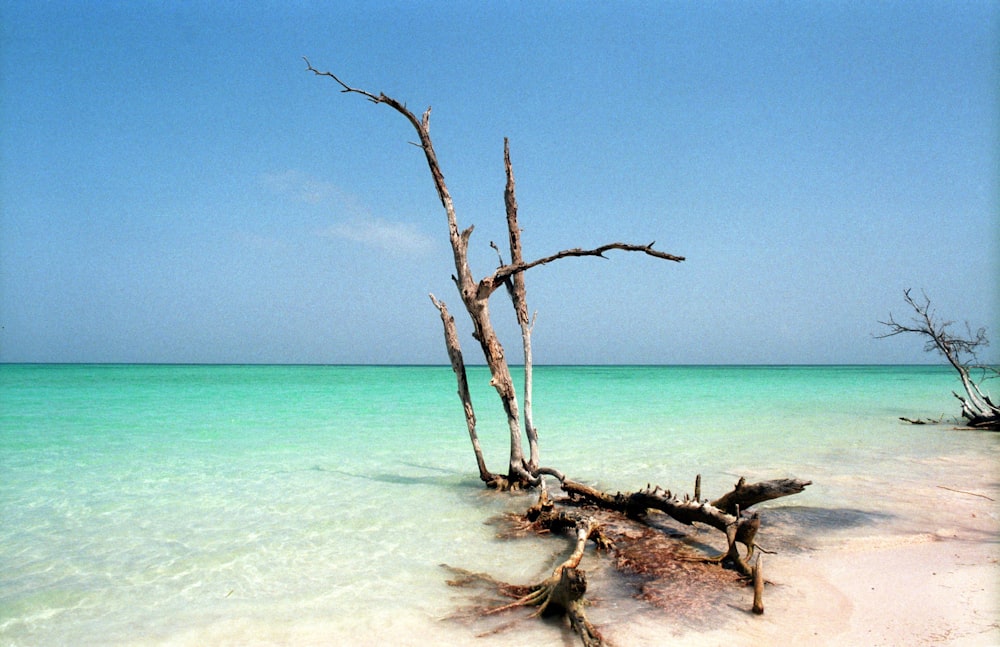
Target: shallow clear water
{"type": "Point", "coordinates": [314, 504]}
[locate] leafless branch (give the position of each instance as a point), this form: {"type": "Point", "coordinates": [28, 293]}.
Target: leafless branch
{"type": "Point", "coordinates": [506, 271]}
{"type": "Point", "coordinates": [961, 353]}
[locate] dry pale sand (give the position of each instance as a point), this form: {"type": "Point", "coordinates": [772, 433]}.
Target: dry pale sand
{"type": "Point", "coordinates": [924, 590]}
{"type": "Point", "coordinates": [940, 587]}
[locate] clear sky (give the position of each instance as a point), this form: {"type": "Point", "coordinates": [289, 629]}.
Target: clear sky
{"type": "Point", "coordinates": [177, 188]}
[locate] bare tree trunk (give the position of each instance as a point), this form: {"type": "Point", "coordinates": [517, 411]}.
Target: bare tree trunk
{"type": "Point", "coordinates": [977, 404]}
{"type": "Point", "coordinates": [458, 366]}
{"type": "Point", "coordinates": [504, 384]}
{"type": "Point", "coordinates": [518, 294]}
{"type": "Point", "coordinates": [475, 295]}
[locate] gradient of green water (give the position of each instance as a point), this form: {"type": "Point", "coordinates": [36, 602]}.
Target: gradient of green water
{"type": "Point", "coordinates": [226, 504]}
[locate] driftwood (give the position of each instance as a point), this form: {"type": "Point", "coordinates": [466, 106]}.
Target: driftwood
{"type": "Point", "coordinates": [739, 529]}
{"type": "Point", "coordinates": [744, 496]}
{"type": "Point", "coordinates": [563, 590]}
{"type": "Point", "coordinates": [758, 587]}
{"type": "Point", "coordinates": [588, 514]}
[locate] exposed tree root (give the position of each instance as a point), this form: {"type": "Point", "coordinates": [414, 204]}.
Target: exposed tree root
{"type": "Point", "coordinates": [988, 423]}
{"type": "Point", "coordinates": [563, 591]}
{"type": "Point", "coordinates": [667, 569]}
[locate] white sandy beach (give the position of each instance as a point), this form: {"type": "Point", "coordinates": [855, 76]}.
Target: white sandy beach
{"type": "Point", "coordinates": [939, 587]}
{"type": "Point", "coordinates": [924, 590]}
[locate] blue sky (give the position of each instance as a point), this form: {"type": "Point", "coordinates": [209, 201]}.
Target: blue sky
{"type": "Point", "coordinates": [177, 188]}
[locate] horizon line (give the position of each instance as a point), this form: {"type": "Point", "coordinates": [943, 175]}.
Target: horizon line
{"type": "Point", "coordinates": [475, 365]}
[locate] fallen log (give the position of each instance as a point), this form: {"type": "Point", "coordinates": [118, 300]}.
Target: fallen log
{"type": "Point", "coordinates": [722, 514]}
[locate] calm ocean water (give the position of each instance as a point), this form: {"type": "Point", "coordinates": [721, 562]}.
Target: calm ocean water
{"type": "Point", "coordinates": [314, 504]}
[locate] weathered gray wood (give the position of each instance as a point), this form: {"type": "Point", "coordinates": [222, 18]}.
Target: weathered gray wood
{"type": "Point", "coordinates": [454, 347]}
{"type": "Point", "coordinates": [744, 496]}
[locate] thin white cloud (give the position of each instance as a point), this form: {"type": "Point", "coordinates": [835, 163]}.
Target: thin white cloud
{"type": "Point", "coordinates": [389, 236]}
{"type": "Point", "coordinates": [355, 221]}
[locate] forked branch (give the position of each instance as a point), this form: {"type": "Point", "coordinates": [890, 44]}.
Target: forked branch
{"type": "Point", "coordinates": [476, 294]}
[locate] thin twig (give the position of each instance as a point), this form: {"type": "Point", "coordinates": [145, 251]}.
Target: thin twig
{"type": "Point", "coordinates": [983, 496]}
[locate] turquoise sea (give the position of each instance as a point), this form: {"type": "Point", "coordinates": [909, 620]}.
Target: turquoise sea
{"type": "Point", "coordinates": [194, 505]}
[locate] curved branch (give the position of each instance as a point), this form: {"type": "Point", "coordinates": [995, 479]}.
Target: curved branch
{"type": "Point", "coordinates": [422, 125]}
{"type": "Point", "coordinates": [551, 471]}
{"type": "Point", "coordinates": [497, 278]}
{"type": "Point", "coordinates": [380, 98]}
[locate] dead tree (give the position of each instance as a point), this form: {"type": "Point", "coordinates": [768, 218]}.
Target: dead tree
{"type": "Point", "coordinates": [961, 352]}
{"type": "Point", "coordinates": [475, 294]}
{"type": "Point", "coordinates": [564, 589]}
